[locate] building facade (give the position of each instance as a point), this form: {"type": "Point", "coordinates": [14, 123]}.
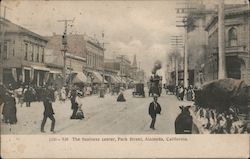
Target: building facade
{"type": "Point", "coordinates": [86, 55]}
{"type": "Point", "coordinates": [94, 69]}
{"type": "Point", "coordinates": [22, 56]}
{"type": "Point", "coordinates": [122, 65]}
{"type": "Point", "coordinates": [237, 45]}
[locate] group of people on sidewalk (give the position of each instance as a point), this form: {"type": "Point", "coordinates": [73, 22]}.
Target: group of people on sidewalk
{"type": "Point", "coordinates": [180, 93]}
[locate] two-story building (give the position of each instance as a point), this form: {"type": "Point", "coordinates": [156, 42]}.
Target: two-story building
{"type": "Point", "coordinates": [95, 60]}
{"type": "Point", "coordinates": [22, 56]}
{"type": "Point", "coordinates": [75, 61]}
{"type": "Point", "coordinates": [237, 44]}
{"type": "Point", "coordinates": [122, 65]}
{"type": "Point", "coordinates": [84, 55]}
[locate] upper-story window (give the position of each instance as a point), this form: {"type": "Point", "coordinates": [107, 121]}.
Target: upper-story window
{"type": "Point", "coordinates": [26, 52]}
{"type": "Point", "coordinates": [42, 55]}
{"type": "Point", "coordinates": [232, 37]}
{"type": "Point", "coordinates": [37, 54]}
{"type": "Point", "coordinates": [5, 50]}
{"type": "Point", "coordinates": [32, 52]}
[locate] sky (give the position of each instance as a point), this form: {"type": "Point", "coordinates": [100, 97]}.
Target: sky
{"type": "Point", "coordinates": [141, 28]}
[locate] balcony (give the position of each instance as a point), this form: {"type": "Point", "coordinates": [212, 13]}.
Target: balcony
{"type": "Point", "coordinates": [235, 50]}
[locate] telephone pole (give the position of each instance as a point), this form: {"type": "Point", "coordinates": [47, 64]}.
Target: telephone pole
{"type": "Point", "coordinates": [103, 76]}
{"type": "Point", "coordinates": [186, 23]}
{"type": "Point", "coordinates": [177, 43]}
{"type": "Point", "coordinates": [2, 31]}
{"type": "Point", "coordinates": [65, 47]}
{"type": "Point", "coordinates": [221, 32]}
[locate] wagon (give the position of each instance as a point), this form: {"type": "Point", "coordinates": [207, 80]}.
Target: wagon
{"type": "Point", "coordinates": [139, 90]}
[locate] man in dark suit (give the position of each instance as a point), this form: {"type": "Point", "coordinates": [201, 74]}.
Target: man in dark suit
{"type": "Point", "coordinates": [48, 113]}
{"type": "Point", "coordinates": [154, 109]}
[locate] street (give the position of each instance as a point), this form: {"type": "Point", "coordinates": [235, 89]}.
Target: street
{"type": "Point", "coordinates": [102, 116]}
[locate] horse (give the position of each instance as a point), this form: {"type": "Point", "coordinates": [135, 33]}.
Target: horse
{"type": "Point", "coordinates": [184, 121]}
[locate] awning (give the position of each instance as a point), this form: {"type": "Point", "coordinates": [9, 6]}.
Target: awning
{"type": "Point", "coordinates": [55, 72]}
{"type": "Point", "coordinates": [98, 78]}
{"type": "Point", "coordinates": [114, 80]}
{"type": "Point", "coordinates": [118, 78]}
{"type": "Point", "coordinates": [79, 78]}
{"type": "Point", "coordinates": [40, 68]}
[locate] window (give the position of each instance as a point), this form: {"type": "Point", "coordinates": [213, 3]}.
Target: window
{"type": "Point", "coordinates": [37, 54]}
{"type": "Point", "coordinates": [0, 51]}
{"type": "Point", "coordinates": [232, 37]}
{"type": "Point", "coordinates": [32, 52]}
{"type": "Point", "coordinates": [42, 55]}
{"type": "Point", "coordinates": [26, 52]}
{"type": "Point", "coordinates": [5, 50]}
{"type": "Point", "coordinates": [13, 50]}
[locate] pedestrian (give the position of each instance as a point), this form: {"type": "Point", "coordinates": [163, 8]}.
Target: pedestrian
{"type": "Point", "coordinates": [121, 98]}
{"type": "Point", "coordinates": [9, 109]}
{"type": "Point", "coordinates": [63, 94]}
{"type": "Point", "coordinates": [181, 93]}
{"type": "Point", "coordinates": [48, 113]}
{"type": "Point", "coordinates": [79, 112]}
{"type": "Point", "coordinates": [27, 95]}
{"type": "Point", "coordinates": [73, 104]}
{"type": "Point", "coordinates": [154, 109]}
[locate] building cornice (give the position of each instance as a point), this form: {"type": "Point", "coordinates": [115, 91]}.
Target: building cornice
{"type": "Point", "coordinates": [228, 13]}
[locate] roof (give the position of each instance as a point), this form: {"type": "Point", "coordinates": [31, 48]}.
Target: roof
{"type": "Point", "coordinates": [14, 28]}
{"type": "Point", "coordinates": [76, 44]}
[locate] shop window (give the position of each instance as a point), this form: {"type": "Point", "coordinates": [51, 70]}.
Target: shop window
{"type": "Point", "coordinates": [232, 37]}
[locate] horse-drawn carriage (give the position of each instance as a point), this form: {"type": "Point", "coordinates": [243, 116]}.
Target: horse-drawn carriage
{"type": "Point", "coordinates": [139, 90]}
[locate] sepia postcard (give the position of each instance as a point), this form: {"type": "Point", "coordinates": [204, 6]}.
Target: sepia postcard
{"type": "Point", "coordinates": [125, 78]}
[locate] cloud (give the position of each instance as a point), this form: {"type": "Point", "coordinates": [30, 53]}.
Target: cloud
{"type": "Point", "coordinates": [131, 27]}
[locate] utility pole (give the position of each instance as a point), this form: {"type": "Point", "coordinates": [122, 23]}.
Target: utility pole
{"type": "Point", "coordinates": [186, 23]}
{"type": "Point", "coordinates": [2, 31]}
{"type": "Point", "coordinates": [221, 32]}
{"type": "Point", "coordinates": [177, 43]}
{"type": "Point", "coordinates": [102, 85]}
{"type": "Point", "coordinates": [65, 47]}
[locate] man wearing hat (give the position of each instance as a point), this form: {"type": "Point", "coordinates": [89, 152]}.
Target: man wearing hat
{"type": "Point", "coordinates": [48, 113]}
{"type": "Point", "coordinates": [154, 109]}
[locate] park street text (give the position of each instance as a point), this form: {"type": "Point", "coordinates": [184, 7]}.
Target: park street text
{"type": "Point", "coordinates": [117, 139]}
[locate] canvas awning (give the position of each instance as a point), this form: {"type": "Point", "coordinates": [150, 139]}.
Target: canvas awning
{"type": "Point", "coordinates": [79, 77]}
{"type": "Point", "coordinates": [55, 71]}
{"type": "Point", "coordinates": [114, 80]}
{"type": "Point", "coordinates": [40, 68]}
{"type": "Point", "coordinates": [98, 78]}
{"type": "Point", "coordinates": [119, 79]}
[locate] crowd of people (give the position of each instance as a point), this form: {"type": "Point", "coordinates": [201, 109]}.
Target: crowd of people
{"type": "Point", "coordinates": [47, 94]}
{"type": "Point", "coordinates": [227, 122]}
